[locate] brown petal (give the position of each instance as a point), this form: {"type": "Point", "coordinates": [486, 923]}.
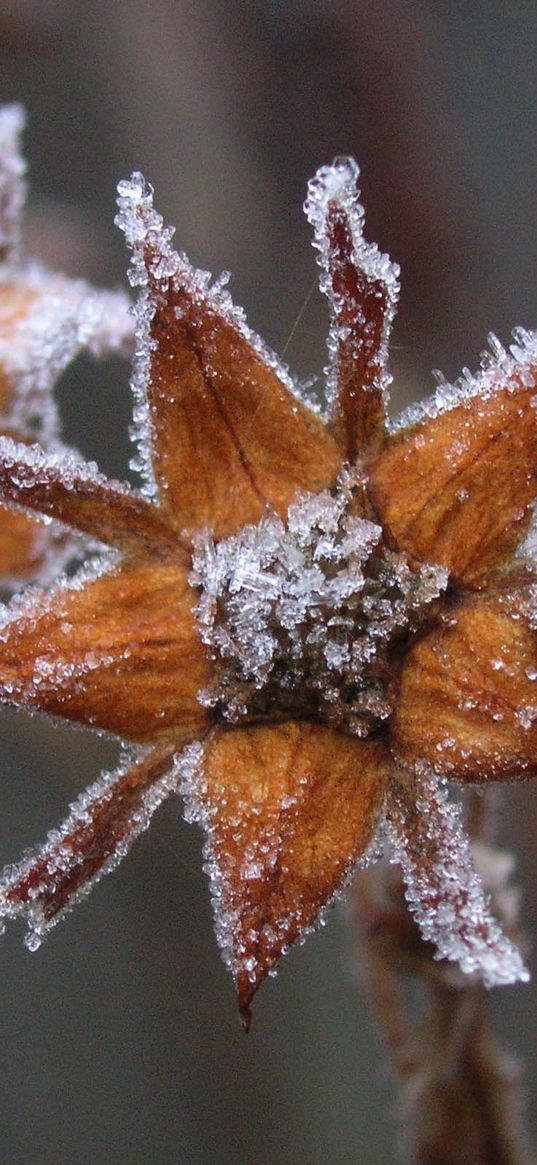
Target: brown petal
{"type": "Point", "coordinates": [458, 488]}
{"type": "Point", "coordinates": [98, 833]}
{"type": "Point", "coordinates": [468, 695]}
{"type": "Point", "coordinates": [362, 289]}
{"type": "Point", "coordinates": [66, 489]}
{"type": "Point", "coordinates": [289, 809]}
{"type": "Point", "coordinates": [120, 652]}
{"type": "Point", "coordinates": [21, 546]}
{"type": "Point", "coordinates": [227, 435]}
{"type": "Point", "coordinates": [442, 887]}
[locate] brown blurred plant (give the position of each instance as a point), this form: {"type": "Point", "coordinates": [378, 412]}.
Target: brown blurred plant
{"type": "Point", "coordinates": [45, 321]}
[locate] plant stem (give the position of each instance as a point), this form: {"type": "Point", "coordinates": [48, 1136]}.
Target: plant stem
{"type": "Point", "coordinates": [458, 1092]}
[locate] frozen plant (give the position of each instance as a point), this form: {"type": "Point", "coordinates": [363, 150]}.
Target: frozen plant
{"type": "Point", "coordinates": [45, 321]}
{"type": "Point", "coordinates": [305, 623]}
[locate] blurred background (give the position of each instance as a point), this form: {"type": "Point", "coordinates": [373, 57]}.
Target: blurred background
{"type": "Point", "coordinates": [119, 1041]}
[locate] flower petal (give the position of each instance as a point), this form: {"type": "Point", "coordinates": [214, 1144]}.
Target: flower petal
{"type": "Point", "coordinates": [288, 810]}
{"type": "Point", "coordinates": [119, 651]}
{"type": "Point", "coordinates": [457, 488]}
{"type": "Point", "coordinates": [442, 887]}
{"type": "Point", "coordinates": [98, 833]}
{"type": "Point", "coordinates": [21, 547]}
{"type": "Point", "coordinates": [362, 286]}
{"type": "Point", "coordinates": [468, 691]}
{"type": "Point", "coordinates": [223, 432]}
{"type": "Point", "coordinates": [62, 487]}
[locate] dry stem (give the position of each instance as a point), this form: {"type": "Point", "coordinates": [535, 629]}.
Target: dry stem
{"type": "Point", "coordinates": [459, 1093]}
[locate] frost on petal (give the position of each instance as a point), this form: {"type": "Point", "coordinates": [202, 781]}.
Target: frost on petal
{"type": "Point", "coordinates": [468, 690]}
{"type": "Point", "coordinates": [32, 551]}
{"type": "Point", "coordinates": [60, 485]}
{"type": "Point", "coordinates": [45, 321]}
{"type": "Point", "coordinates": [97, 834]}
{"type": "Point", "coordinates": [288, 810]}
{"type": "Point", "coordinates": [12, 183]}
{"type": "Point", "coordinates": [219, 424]}
{"type": "Point", "coordinates": [304, 615]}
{"type": "Point", "coordinates": [456, 482]}
{"type": "Point", "coordinates": [117, 650]}
{"type": "Point", "coordinates": [443, 890]}
{"type": "Point", "coordinates": [362, 286]}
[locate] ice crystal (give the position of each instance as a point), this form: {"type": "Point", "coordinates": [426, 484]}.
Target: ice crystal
{"type": "Point", "coordinates": [500, 370]}
{"type": "Point", "coordinates": [305, 612]}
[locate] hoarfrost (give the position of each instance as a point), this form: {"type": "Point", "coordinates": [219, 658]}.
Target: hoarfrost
{"type": "Point", "coordinates": [499, 370]}
{"type": "Point", "coordinates": [303, 613]}
{"type": "Point", "coordinates": [443, 890]}
{"type": "Point", "coordinates": [31, 464]}
{"type": "Point", "coordinates": [58, 318]}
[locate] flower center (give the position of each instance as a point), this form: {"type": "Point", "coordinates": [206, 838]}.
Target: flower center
{"type": "Point", "coordinates": [305, 618]}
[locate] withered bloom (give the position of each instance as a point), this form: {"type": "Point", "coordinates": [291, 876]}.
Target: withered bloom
{"type": "Point", "coordinates": [306, 623]}
{"type": "Point", "coordinates": [45, 321]}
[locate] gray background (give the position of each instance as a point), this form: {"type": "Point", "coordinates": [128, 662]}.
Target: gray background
{"type": "Point", "coordinates": [119, 1042]}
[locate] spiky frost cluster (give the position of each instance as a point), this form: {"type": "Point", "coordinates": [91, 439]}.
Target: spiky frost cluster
{"type": "Point", "coordinates": [308, 610]}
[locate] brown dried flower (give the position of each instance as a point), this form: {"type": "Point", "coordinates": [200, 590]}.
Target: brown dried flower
{"type": "Point", "coordinates": [306, 623]}
{"type": "Point", "coordinates": [45, 321]}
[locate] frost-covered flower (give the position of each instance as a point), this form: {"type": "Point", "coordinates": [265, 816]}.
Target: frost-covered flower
{"type": "Point", "coordinates": [305, 623]}
{"type": "Point", "coordinates": [45, 321]}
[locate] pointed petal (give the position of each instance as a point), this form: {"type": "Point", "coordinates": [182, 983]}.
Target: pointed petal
{"type": "Point", "coordinates": [223, 432]}
{"type": "Point", "coordinates": [457, 487]}
{"type": "Point", "coordinates": [98, 833]}
{"type": "Point", "coordinates": [19, 553]}
{"type": "Point", "coordinates": [362, 286]}
{"type": "Point", "coordinates": [288, 810]}
{"type": "Point", "coordinates": [119, 651]}
{"type": "Point", "coordinates": [28, 549]}
{"type": "Point", "coordinates": [61, 486]}
{"type": "Point", "coordinates": [443, 889]}
{"type": "Point", "coordinates": [468, 691]}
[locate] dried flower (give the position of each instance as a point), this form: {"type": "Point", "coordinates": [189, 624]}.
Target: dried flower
{"type": "Point", "coordinates": [45, 321]}
{"type": "Point", "coordinates": [306, 623]}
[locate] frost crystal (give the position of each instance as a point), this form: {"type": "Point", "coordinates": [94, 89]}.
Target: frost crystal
{"type": "Point", "coordinates": [61, 318]}
{"type": "Point", "coordinates": [500, 370]}
{"type": "Point", "coordinates": [303, 614]}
